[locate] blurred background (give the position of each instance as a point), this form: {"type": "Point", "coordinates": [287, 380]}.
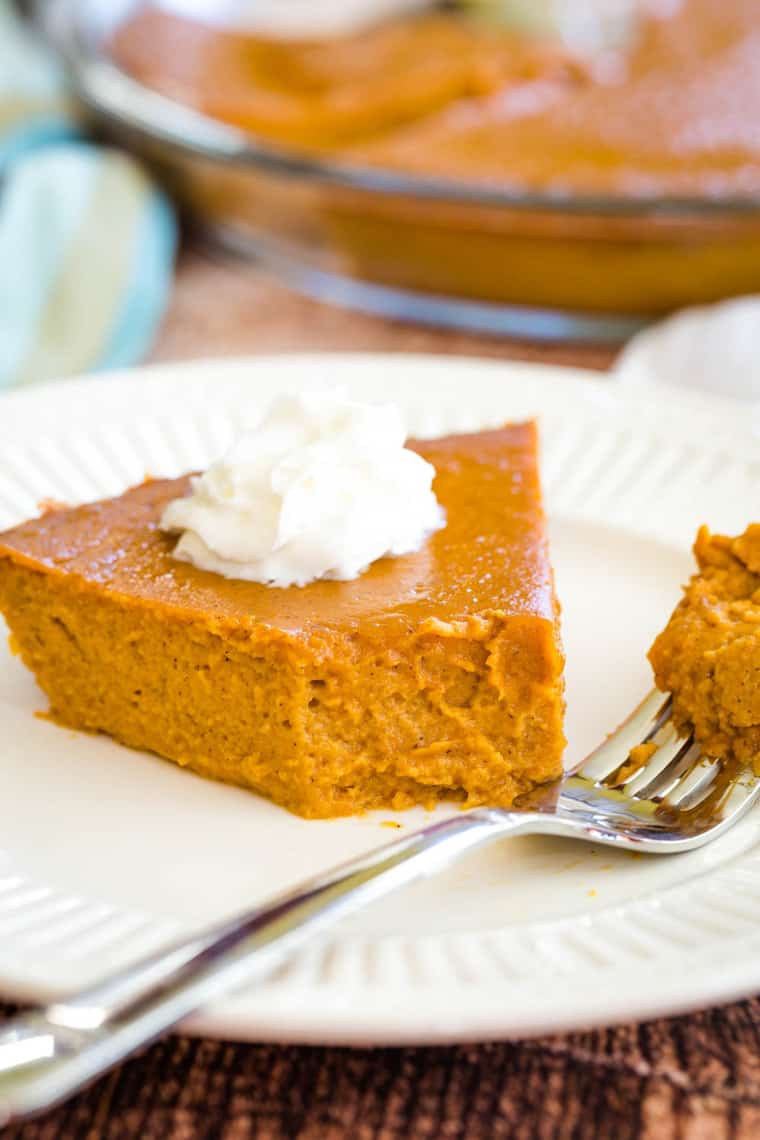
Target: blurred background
{"type": "Point", "coordinates": [509, 177]}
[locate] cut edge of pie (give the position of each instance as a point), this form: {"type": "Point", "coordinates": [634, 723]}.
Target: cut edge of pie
{"type": "Point", "coordinates": [342, 697]}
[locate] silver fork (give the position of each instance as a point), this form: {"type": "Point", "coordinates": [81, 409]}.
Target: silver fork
{"type": "Point", "coordinates": [672, 801]}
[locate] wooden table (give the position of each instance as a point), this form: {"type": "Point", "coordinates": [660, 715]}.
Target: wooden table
{"type": "Point", "coordinates": [230, 309]}
{"type": "Point", "coordinates": [694, 1078]}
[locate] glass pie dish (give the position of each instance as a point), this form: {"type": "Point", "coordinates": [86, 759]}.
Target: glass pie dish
{"type": "Point", "coordinates": [545, 263]}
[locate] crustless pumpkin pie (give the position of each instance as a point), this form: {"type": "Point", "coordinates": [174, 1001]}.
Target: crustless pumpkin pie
{"type": "Point", "coordinates": [433, 675]}
{"type": "Point", "coordinates": [437, 95]}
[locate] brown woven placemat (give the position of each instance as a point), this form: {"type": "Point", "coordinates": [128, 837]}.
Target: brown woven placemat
{"type": "Point", "coordinates": [693, 1078]}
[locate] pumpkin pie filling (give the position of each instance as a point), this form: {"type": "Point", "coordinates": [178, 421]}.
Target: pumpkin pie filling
{"type": "Point", "coordinates": [708, 655]}
{"type": "Point", "coordinates": [434, 675]}
{"type": "Point", "coordinates": [435, 94]}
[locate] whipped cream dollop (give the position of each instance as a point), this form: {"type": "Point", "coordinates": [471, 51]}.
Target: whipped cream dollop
{"type": "Point", "coordinates": [320, 489]}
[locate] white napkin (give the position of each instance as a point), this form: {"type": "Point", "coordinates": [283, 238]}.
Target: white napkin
{"type": "Point", "coordinates": [713, 348]}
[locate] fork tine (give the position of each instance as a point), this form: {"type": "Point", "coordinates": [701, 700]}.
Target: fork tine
{"type": "Point", "coordinates": [670, 747]}
{"type": "Point", "coordinates": [641, 726]}
{"type": "Point", "coordinates": [693, 788]}
{"type": "Point", "coordinates": [739, 790]}
{"type": "Point", "coordinates": [670, 764]}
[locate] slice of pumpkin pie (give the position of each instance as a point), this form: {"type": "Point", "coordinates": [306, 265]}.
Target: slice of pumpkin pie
{"type": "Point", "coordinates": [433, 674]}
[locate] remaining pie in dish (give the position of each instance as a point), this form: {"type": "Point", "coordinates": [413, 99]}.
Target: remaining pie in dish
{"type": "Point", "coordinates": [708, 656]}
{"type": "Point", "coordinates": [670, 110]}
{"type": "Point", "coordinates": [433, 675]}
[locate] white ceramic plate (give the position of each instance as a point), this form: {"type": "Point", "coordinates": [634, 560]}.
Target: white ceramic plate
{"type": "Point", "coordinates": [105, 853]}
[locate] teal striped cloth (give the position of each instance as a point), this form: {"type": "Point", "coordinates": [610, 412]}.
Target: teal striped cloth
{"type": "Point", "coordinates": [87, 242]}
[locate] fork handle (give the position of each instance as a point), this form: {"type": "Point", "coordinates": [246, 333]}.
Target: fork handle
{"type": "Point", "coordinates": [48, 1054]}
